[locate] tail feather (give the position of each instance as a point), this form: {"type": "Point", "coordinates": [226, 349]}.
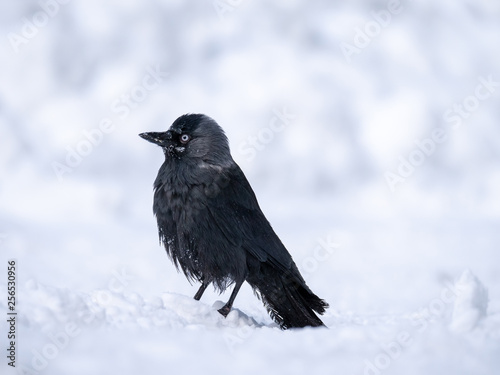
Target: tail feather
{"type": "Point", "coordinates": [288, 300]}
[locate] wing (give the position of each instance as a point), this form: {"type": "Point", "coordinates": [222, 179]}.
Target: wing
{"type": "Point", "coordinates": [234, 210]}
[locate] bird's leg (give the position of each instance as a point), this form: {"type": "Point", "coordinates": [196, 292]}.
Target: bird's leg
{"type": "Point", "coordinates": [200, 291]}
{"type": "Point", "coordinates": [224, 310]}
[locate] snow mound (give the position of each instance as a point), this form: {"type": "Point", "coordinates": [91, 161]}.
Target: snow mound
{"type": "Point", "coordinates": [47, 307]}
{"type": "Point", "coordinates": [188, 312]}
{"type": "Point", "coordinates": [471, 303]}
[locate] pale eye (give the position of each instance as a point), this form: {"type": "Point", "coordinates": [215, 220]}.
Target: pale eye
{"type": "Point", "coordinates": [185, 138]}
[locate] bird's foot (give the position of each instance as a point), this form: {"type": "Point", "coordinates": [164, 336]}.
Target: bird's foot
{"type": "Point", "coordinates": [224, 310]}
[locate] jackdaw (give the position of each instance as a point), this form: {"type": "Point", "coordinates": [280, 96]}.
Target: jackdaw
{"type": "Point", "coordinates": [214, 230]}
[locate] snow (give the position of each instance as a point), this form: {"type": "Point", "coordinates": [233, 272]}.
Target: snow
{"type": "Point", "coordinates": [411, 274]}
{"type": "Point", "coordinates": [122, 332]}
{"type": "Point", "coordinates": [471, 305]}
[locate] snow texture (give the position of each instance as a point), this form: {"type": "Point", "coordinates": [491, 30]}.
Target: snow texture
{"type": "Point", "coordinates": [471, 304]}
{"type": "Point", "coordinates": [369, 131]}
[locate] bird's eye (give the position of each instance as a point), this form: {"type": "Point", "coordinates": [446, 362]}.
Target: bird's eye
{"type": "Point", "coordinates": [185, 138]}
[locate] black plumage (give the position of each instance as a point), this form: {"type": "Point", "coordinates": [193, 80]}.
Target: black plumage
{"type": "Point", "coordinates": [213, 228]}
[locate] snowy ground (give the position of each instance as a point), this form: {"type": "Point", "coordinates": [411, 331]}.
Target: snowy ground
{"type": "Point", "coordinates": [83, 333]}
{"type": "Point", "coordinates": [407, 260]}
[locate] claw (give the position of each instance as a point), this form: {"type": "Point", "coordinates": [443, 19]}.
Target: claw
{"type": "Point", "coordinates": [224, 310]}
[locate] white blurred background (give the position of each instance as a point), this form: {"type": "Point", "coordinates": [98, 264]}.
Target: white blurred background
{"type": "Point", "coordinates": [356, 115]}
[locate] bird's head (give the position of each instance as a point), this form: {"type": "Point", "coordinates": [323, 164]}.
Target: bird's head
{"type": "Point", "coordinates": [193, 137]}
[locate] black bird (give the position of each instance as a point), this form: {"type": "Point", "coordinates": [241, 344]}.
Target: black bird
{"type": "Point", "coordinates": [213, 228]}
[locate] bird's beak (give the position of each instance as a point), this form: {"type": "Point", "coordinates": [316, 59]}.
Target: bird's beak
{"type": "Point", "coordinates": [154, 137]}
